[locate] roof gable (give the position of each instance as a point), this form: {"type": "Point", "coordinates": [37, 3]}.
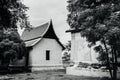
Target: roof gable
{"type": "Point", "coordinates": [33, 36]}
{"type": "Point", "coordinates": [50, 33]}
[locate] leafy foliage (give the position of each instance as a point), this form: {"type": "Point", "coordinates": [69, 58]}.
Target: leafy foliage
{"type": "Point", "coordinates": [66, 56]}
{"type": "Point", "coordinates": [12, 13]}
{"type": "Point", "coordinates": [68, 45]}
{"type": "Point", "coordinates": [11, 47]}
{"type": "Point", "coordinates": [99, 21]}
{"type": "Point", "coordinates": [66, 59]}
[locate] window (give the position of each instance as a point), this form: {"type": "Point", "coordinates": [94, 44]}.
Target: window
{"type": "Point", "coordinates": [47, 54]}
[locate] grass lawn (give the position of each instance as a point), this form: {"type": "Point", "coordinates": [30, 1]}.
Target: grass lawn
{"type": "Point", "coordinates": [45, 75]}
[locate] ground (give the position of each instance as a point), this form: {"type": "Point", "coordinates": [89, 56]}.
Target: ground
{"type": "Point", "coordinates": [45, 75]}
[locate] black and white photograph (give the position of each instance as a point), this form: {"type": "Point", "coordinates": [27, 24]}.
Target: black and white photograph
{"type": "Point", "coordinates": [59, 39]}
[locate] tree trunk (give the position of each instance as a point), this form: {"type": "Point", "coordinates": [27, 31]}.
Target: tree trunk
{"type": "Point", "coordinates": [115, 65]}
{"type": "Point", "coordinates": [114, 60]}
{"type": "Point", "coordinates": [115, 73]}
{"type": "Point", "coordinates": [108, 63]}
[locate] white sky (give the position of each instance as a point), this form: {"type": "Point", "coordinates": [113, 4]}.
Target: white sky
{"type": "Point", "coordinates": [41, 11]}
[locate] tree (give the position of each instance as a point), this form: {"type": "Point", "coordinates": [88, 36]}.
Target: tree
{"type": "Point", "coordinates": [12, 13]}
{"type": "Point", "coordinates": [11, 48]}
{"type": "Point", "coordinates": [68, 46]}
{"type": "Point", "coordinates": [66, 54]}
{"type": "Point", "coordinates": [66, 59]}
{"type": "Point", "coordinates": [98, 21]}
{"type": "Point", "coordinates": [12, 16]}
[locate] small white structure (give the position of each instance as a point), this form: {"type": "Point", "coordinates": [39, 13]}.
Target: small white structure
{"type": "Point", "coordinates": [80, 52]}
{"type": "Point", "coordinates": [45, 49]}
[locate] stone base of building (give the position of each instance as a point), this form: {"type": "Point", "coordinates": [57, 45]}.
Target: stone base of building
{"type": "Point", "coordinates": [40, 68]}
{"type": "Point", "coordinates": [87, 72]}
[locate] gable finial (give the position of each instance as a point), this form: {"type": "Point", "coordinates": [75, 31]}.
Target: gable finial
{"type": "Point", "coordinates": [50, 20]}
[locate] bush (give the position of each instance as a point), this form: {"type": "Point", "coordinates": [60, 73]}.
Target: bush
{"type": "Point", "coordinates": [95, 65]}
{"type": "Point", "coordinates": [83, 65]}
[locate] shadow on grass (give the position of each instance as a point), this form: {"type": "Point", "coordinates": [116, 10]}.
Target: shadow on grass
{"type": "Point", "coordinates": [13, 70]}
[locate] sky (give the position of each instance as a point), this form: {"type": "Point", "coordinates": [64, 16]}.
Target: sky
{"type": "Point", "coordinates": [41, 11]}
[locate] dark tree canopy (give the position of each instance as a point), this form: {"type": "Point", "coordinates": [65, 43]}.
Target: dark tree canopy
{"type": "Point", "coordinates": [12, 16]}
{"type": "Point", "coordinates": [99, 21]}
{"type": "Point", "coordinates": [11, 47]}
{"type": "Point", "coordinates": [12, 13]}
